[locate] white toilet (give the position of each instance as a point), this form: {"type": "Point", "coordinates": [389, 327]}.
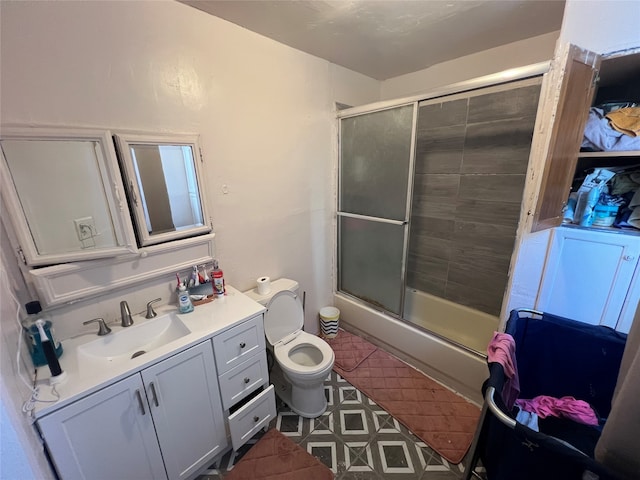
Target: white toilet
{"type": "Point", "coordinates": [302, 361]}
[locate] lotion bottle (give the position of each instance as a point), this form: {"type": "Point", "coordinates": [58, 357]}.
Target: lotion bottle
{"type": "Point", "coordinates": [218, 280]}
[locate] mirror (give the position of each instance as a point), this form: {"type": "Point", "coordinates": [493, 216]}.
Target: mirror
{"type": "Point", "coordinates": [61, 188]}
{"type": "Point", "coordinates": [164, 186]}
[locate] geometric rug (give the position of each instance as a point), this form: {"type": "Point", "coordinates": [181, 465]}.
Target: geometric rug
{"type": "Point", "coordinates": [276, 457]}
{"type": "Point", "coordinates": [439, 417]}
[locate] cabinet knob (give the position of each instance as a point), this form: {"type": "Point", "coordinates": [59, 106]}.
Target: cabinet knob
{"type": "Point", "coordinates": [246, 380]}
{"type": "Point", "coordinates": [628, 258]}
{"type": "Point", "coordinates": [256, 418]}
{"type": "Point", "coordinates": [242, 344]}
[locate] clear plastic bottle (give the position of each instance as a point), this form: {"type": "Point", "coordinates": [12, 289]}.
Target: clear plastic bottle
{"type": "Point", "coordinates": [591, 200]}
{"type": "Point", "coordinates": [184, 300]}
{"type": "Point", "coordinates": [32, 334]}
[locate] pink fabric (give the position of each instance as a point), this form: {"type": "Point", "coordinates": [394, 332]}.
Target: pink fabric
{"type": "Point", "coordinates": [502, 350]}
{"type": "Point", "coordinates": [568, 407]}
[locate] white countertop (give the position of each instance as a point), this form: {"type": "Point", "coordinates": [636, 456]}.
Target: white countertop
{"type": "Point", "coordinates": [204, 322]}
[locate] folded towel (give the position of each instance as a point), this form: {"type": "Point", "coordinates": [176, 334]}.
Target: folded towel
{"type": "Point", "coordinates": [626, 120]}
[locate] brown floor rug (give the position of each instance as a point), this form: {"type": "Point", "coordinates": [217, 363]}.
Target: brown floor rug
{"type": "Point", "coordinates": [443, 420]}
{"type": "Point", "coordinates": [276, 457]}
{"type": "Point", "coordinates": [350, 350]}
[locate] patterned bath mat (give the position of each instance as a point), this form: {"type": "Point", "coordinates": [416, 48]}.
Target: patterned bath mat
{"type": "Point", "coordinates": [276, 457]}
{"type": "Point", "coordinates": [443, 420]}
{"type": "Point", "coordinates": [350, 350]}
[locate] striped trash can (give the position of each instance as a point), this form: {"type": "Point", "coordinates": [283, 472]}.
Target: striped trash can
{"type": "Point", "coordinates": [329, 318]}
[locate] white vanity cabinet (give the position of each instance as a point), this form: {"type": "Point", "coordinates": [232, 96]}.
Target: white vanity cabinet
{"type": "Point", "coordinates": [243, 376]}
{"type": "Point", "coordinates": [105, 435]}
{"type": "Point", "coordinates": [164, 422]}
{"type": "Point", "coordinates": [589, 276]}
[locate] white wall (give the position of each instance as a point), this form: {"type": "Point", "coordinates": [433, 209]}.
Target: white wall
{"type": "Point", "coordinates": [602, 26]}
{"type": "Point", "coordinates": [517, 54]}
{"type": "Point", "coordinates": [352, 88]}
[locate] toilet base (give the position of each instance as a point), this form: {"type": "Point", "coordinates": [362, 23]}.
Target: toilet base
{"type": "Point", "coordinates": [298, 400]}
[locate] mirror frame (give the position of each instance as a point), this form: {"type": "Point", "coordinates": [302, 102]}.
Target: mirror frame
{"type": "Point", "coordinates": [124, 141]}
{"type": "Point", "coordinates": [112, 183]}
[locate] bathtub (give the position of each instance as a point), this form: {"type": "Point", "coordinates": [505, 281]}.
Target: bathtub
{"type": "Point", "coordinates": [462, 325]}
{"type": "Point", "coordinates": [458, 368]}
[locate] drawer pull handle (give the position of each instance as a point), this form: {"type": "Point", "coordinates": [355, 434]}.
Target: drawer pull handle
{"type": "Point", "coordinates": [140, 402]}
{"type": "Point", "coordinates": [155, 395]}
{"type": "Point", "coordinates": [246, 380]}
{"type": "Point", "coordinates": [256, 418]}
{"type": "Point", "coordinates": [242, 345]}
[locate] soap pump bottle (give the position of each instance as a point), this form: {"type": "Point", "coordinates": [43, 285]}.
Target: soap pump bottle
{"type": "Point", "coordinates": [184, 300]}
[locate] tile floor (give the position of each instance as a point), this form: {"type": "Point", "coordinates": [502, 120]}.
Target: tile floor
{"type": "Point", "coordinates": [355, 438]}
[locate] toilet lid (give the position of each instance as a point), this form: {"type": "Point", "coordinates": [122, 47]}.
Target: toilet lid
{"type": "Point", "coordinates": [284, 316]}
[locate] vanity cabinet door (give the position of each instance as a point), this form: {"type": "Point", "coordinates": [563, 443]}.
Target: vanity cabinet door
{"type": "Point", "coordinates": [588, 275]}
{"type": "Point", "coordinates": [107, 435]}
{"type": "Point", "coordinates": [187, 412]}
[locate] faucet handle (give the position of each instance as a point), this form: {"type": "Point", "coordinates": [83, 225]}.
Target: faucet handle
{"type": "Point", "coordinates": [150, 311]}
{"type": "Point", "coordinates": [103, 328]}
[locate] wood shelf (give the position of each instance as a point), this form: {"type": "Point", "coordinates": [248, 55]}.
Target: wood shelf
{"type": "Point", "coordinates": [631, 153]}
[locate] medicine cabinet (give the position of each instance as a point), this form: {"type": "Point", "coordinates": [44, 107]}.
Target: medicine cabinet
{"type": "Point", "coordinates": [165, 187]}
{"type": "Point", "coordinates": [64, 194]}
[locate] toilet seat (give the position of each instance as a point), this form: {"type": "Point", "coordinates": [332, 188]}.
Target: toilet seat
{"type": "Point", "coordinates": [284, 317]}
{"type": "Point", "coordinates": [282, 352]}
{"type": "Point", "coordinates": [283, 323]}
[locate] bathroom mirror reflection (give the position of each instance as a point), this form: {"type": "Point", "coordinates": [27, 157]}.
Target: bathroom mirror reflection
{"type": "Point", "coordinates": [60, 189]}
{"type": "Point", "coordinates": [164, 184]}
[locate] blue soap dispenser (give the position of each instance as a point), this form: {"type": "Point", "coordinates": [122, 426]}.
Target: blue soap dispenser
{"type": "Point", "coordinates": [184, 300]}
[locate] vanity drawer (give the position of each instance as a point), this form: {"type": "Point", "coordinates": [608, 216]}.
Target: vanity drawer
{"type": "Point", "coordinates": [253, 416]}
{"type": "Point", "coordinates": [237, 344]}
{"type": "Point", "coordinates": [240, 381]}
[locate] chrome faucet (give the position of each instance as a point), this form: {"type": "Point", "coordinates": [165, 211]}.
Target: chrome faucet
{"type": "Point", "coordinates": [125, 314]}
{"type": "Point", "coordinates": [151, 313]}
{"type": "Point", "coordinates": [103, 328]}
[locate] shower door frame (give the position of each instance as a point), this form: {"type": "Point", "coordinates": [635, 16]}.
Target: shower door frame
{"type": "Point", "coordinates": [507, 76]}
{"type": "Point", "coordinates": [407, 211]}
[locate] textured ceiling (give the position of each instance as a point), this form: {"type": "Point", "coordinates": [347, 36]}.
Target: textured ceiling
{"type": "Point", "coordinates": [386, 38]}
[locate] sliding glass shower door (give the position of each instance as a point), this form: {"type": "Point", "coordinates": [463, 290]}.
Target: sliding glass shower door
{"type": "Point", "coordinates": [376, 152]}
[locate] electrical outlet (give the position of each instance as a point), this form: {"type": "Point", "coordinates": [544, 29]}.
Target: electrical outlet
{"type": "Point", "coordinates": [85, 228]}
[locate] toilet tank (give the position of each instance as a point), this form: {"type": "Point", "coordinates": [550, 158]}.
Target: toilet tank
{"type": "Point", "coordinates": [276, 286]}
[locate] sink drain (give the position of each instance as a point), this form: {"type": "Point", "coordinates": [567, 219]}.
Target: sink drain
{"type": "Point", "coordinates": [137, 354]}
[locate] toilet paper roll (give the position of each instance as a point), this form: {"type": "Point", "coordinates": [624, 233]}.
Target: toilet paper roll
{"type": "Point", "coordinates": [264, 285]}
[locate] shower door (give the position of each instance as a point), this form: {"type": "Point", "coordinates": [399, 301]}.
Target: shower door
{"type": "Point", "coordinates": [376, 159]}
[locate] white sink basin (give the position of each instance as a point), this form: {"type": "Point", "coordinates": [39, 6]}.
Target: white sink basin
{"type": "Point", "coordinates": [123, 345]}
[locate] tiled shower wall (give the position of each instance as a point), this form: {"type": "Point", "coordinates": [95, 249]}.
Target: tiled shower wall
{"type": "Point", "coordinates": [471, 162]}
